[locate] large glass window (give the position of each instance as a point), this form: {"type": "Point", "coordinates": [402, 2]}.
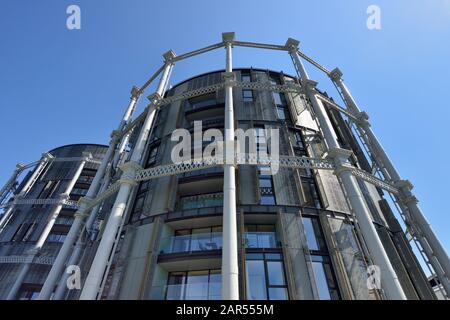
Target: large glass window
{"type": "Point", "coordinates": [261, 236]}
{"type": "Point", "coordinates": [323, 274]}
{"type": "Point", "coordinates": [322, 269]}
{"type": "Point", "coordinates": [265, 277]}
{"type": "Point", "coordinates": [194, 285]}
{"type": "Point", "coordinates": [314, 235]}
{"type": "Point", "coordinates": [188, 240]}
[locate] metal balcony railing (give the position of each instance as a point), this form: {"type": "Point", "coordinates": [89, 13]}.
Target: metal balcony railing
{"type": "Point", "coordinates": [200, 201]}
{"type": "Point", "coordinates": [193, 291]}
{"type": "Point", "coordinates": [261, 240]}
{"type": "Point", "coordinates": [192, 243]}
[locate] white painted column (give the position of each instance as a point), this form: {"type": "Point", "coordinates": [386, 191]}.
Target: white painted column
{"type": "Point", "coordinates": [78, 247]}
{"type": "Point", "coordinates": [26, 187]}
{"type": "Point", "coordinates": [10, 183]}
{"type": "Point", "coordinates": [230, 270]}
{"type": "Point", "coordinates": [5, 216]}
{"type": "Point", "coordinates": [94, 278]}
{"type": "Point", "coordinates": [46, 157]}
{"type": "Point", "coordinates": [408, 197]}
{"type": "Point", "coordinates": [44, 234]}
{"type": "Point", "coordinates": [389, 279]}
{"type": "Point", "coordinates": [81, 213]}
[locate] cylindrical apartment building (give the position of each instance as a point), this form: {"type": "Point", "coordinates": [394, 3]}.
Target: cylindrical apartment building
{"type": "Point", "coordinates": [244, 184]}
{"type": "Point", "coordinates": [39, 214]}
{"type": "Point", "coordinates": [297, 237]}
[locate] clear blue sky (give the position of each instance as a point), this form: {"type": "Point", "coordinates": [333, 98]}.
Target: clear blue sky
{"type": "Point", "coordinates": [60, 86]}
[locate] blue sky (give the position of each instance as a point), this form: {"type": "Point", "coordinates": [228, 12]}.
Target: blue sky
{"type": "Point", "coordinates": [60, 86]}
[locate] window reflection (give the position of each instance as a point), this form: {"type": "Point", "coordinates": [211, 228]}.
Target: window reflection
{"type": "Point", "coordinates": [194, 285]}
{"type": "Point", "coordinates": [265, 277]}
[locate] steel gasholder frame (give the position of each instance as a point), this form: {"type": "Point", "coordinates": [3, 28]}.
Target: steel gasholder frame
{"type": "Point", "coordinates": [133, 172]}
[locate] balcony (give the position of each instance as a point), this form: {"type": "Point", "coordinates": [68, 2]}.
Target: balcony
{"type": "Point", "coordinates": [261, 240]}
{"type": "Point", "coordinates": [203, 173]}
{"type": "Point", "coordinates": [191, 243]}
{"type": "Point", "coordinates": [200, 201]}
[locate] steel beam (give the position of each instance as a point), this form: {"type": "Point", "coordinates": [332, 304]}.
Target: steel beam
{"type": "Point", "coordinates": [83, 210]}
{"type": "Point", "coordinates": [93, 281]}
{"type": "Point", "coordinates": [389, 279]}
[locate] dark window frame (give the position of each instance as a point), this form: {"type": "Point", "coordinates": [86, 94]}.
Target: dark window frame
{"type": "Point", "coordinates": [268, 257]}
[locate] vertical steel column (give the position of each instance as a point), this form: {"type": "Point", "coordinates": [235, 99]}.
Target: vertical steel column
{"type": "Point", "coordinates": [10, 183]}
{"type": "Point", "coordinates": [389, 279]}
{"type": "Point", "coordinates": [81, 213]}
{"type": "Point", "coordinates": [94, 278]}
{"type": "Point", "coordinates": [46, 157]}
{"type": "Point", "coordinates": [407, 198]}
{"type": "Point", "coordinates": [28, 184]}
{"type": "Point", "coordinates": [51, 221]}
{"type": "Point", "coordinates": [230, 269]}
{"type": "Point", "coordinates": [4, 192]}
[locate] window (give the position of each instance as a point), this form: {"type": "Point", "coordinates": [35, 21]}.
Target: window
{"type": "Point", "coordinates": [246, 76]}
{"type": "Point", "coordinates": [29, 232]}
{"type": "Point", "coordinates": [261, 236]}
{"type": "Point", "coordinates": [314, 236]}
{"type": "Point", "coordinates": [18, 235]}
{"type": "Point", "coordinates": [247, 95]}
{"type": "Point", "coordinates": [203, 101]}
{"type": "Point", "coordinates": [279, 98]}
{"type": "Point", "coordinates": [281, 112]}
{"type": "Point", "coordinates": [323, 274]}
{"type": "Point", "coordinates": [265, 277]}
{"type": "Point", "coordinates": [152, 156]}
{"type": "Point", "coordinates": [188, 240]}
{"type": "Point", "coordinates": [139, 204]}
{"type": "Point", "coordinates": [29, 292]}
{"type": "Point", "coordinates": [260, 140]}
{"type": "Point", "coordinates": [194, 285]}
{"type": "Point", "coordinates": [267, 194]}
{"type": "Point", "coordinates": [298, 140]}
{"type": "Point", "coordinates": [273, 78]}
{"type": "Point", "coordinates": [326, 286]}
{"type": "Point", "coordinates": [87, 176]}
{"type": "Point", "coordinates": [310, 191]}
{"type": "Point", "coordinates": [47, 192]}
{"type": "Point", "coordinates": [56, 237]}
{"type": "Point", "coordinates": [140, 199]}
{"type": "Point", "coordinates": [64, 220]}
{"type": "Point", "coordinates": [78, 192]}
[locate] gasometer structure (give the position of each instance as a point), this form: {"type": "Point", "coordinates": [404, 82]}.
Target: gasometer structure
{"type": "Point", "coordinates": [336, 220]}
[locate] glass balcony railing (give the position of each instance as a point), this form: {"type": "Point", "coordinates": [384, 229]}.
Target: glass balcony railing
{"type": "Point", "coordinates": [200, 201]}
{"type": "Point", "coordinates": [192, 243]}
{"type": "Point", "coordinates": [261, 240]}
{"type": "Point", "coordinates": [194, 291]}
